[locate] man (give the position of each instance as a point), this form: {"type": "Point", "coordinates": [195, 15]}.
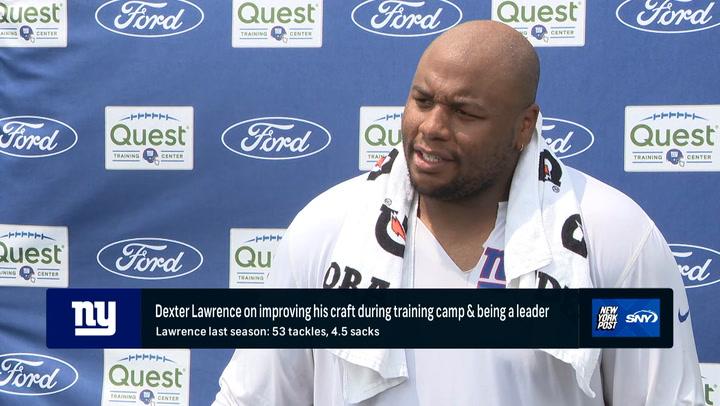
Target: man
{"type": "Point", "coordinates": [476, 201]}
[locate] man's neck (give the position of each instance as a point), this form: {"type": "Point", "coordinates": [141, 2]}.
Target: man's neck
{"type": "Point", "coordinates": [461, 227]}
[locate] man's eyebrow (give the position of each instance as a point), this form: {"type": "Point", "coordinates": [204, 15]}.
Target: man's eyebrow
{"type": "Point", "coordinates": [458, 102]}
{"type": "Point", "coordinates": [422, 91]}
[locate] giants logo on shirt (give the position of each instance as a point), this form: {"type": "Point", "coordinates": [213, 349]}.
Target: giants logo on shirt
{"type": "Point", "coordinates": [389, 232]}
{"type": "Point", "coordinates": [492, 269]}
{"type": "Point", "coordinates": [383, 165]}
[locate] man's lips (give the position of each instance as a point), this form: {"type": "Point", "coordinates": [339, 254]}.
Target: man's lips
{"type": "Point", "coordinates": [427, 159]}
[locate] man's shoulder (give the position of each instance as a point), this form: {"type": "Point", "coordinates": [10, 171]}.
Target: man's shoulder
{"type": "Point", "coordinates": [321, 219]}
{"type": "Point", "coordinates": [602, 202]}
{"type": "Point", "coordinates": [616, 228]}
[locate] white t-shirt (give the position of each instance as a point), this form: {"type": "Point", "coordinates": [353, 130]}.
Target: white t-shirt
{"type": "Point", "coordinates": [625, 250]}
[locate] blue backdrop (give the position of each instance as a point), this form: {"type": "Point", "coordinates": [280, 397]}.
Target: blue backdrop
{"type": "Point", "coordinates": [198, 83]}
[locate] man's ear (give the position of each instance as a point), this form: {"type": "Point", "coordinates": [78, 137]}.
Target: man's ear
{"type": "Point", "coordinates": [528, 119]}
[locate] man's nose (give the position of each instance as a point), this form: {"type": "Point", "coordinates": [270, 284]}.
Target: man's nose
{"type": "Point", "coordinates": [436, 123]}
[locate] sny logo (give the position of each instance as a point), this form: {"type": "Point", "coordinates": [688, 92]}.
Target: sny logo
{"type": "Point", "coordinates": [642, 316]}
{"type": "Point", "coordinates": [91, 319]}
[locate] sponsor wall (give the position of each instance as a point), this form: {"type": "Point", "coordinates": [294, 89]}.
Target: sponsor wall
{"type": "Point", "coordinates": [168, 144]}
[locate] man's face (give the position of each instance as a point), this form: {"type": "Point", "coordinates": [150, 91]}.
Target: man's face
{"type": "Point", "coordinates": [459, 127]}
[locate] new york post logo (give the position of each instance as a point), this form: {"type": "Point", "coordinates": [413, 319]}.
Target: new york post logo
{"type": "Point", "coordinates": [93, 318]}
{"type": "Point", "coordinates": [626, 318]}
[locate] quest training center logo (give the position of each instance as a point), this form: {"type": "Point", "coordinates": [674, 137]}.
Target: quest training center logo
{"type": "Point", "coordinates": [149, 138]}
{"type": "Point", "coordinates": [149, 19]}
{"type": "Point", "coordinates": [695, 264]}
{"type": "Point", "coordinates": [277, 24]}
{"type": "Point", "coordinates": [146, 377]}
{"type": "Point", "coordinates": [150, 258]}
{"type": "Point", "coordinates": [33, 256]}
{"type": "Point", "coordinates": [672, 138]}
{"type": "Point", "coordinates": [380, 132]}
{"type": "Point", "coordinates": [35, 137]}
{"type": "Point", "coordinates": [545, 23]}
{"type": "Point", "coordinates": [33, 24]}
{"type": "Point", "coordinates": [276, 138]}
{"type": "Point", "coordinates": [711, 380]}
{"type": "Point", "coordinates": [668, 16]}
{"type": "Point", "coordinates": [25, 374]}
{"type": "Point", "coordinates": [251, 252]}
{"type": "Point", "coordinates": [406, 18]}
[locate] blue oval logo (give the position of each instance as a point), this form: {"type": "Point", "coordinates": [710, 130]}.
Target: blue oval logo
{"type": "Point", "coordinates": [150, 258]}
{"type": "Point", "coordinates": [149, 19]}
{"type": "Point", "coordinates": [566, 138]}
{"type": "Point", "coordinates": [667, 16]}
{"type": "Point", "coordinates": [28, 374]}
{"type": "Point", "coordinates": [276, 138]}
{"type": "Point", "coordinates": [35, 136]}
{"type": "Point", "coordinates": [696, 264]}
{"type": "Point", "coordinates": [403, 18]}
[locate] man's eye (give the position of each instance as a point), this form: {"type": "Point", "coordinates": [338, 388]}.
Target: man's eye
{"type": "Point", "coordinates": [422, 102]}
{"type": "Point", "coordinates": [465, 114]}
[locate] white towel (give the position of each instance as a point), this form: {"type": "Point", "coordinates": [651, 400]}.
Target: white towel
{"type": "Point", "coordinates": [544, 247]}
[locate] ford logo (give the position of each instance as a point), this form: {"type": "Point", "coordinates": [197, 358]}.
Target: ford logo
{"type": "Point", "coordinates": [406, 18]}
{"type": "Point", "coordinates": [35, 137]}
{"type": "Point", "coordinates": [696, 264]}
{"type": "Point", "coordinates": [149, 258]}
{"type": "Point", "coordinates": [137, 18]}
{"type": "Point", "coordinates": [276, 138]}
{"type": "Point", "coordinates": [566, 138]}
{"type": "Point", "coordinates": [35, 375]}
{"type": "Point", "coordinates": [667, 16]}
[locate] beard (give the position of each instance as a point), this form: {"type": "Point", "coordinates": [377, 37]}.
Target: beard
{"type": "Point", "coordinates": [478, 176]}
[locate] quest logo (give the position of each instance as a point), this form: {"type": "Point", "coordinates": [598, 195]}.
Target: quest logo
{"type": "Point", "coordinates": [668, 16]}
{"type": "Point", "coordinates": [672, 138]}
{"type": "Point", "coordinates": [33, 24]}
{"type": "Point", "coordinates": [146, 377]}
{"type": "Point", "coordinates": [406, 18]}
{"type": "Point", "coordinates": [276, 138]}
{"type": "Point", "coordinates": [545, 23]}
{"type": "Point", "coordinates": [149, 19]}
{"type": "Point", "coordinates": [35, 136]}
{"type": "Point", "coordinates": [277, 24]}
{"type": "Point", "coordinates": [33, 256]}
{"type": "Point", "coordinates": [26, 374]}
{"type": "Point", "coordinates": [380, 132]}
{"type": "Point", "coordinates": [149, 138]}
{"type": "Point", "coordinates": [566, 138]}
{"type": "Point", "coordinates": [695, 264]}
{"type": "Point", "coordinates": [251, 251]}
{"type": "Point", "coordinates": [150, 258]}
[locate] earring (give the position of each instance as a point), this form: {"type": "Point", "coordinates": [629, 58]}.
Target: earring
{"type": "Point", "coordinates": [522, 147]}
